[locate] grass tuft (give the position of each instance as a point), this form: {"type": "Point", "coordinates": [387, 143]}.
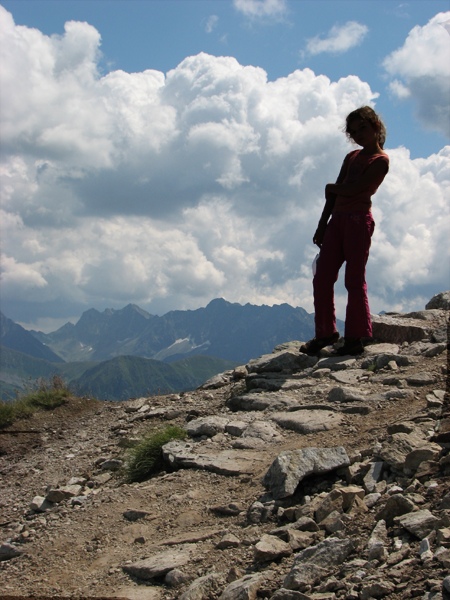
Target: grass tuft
{"type": "Point", "coordinates": [372, 367]}
{"type": "Point", "coordinates": [46, 395]}
{"type": "Point", "coordinates": [145, 458]}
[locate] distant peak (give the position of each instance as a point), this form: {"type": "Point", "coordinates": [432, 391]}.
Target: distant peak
{"type": "Point", "coordinates": [219, 302]}
{"type": "Point", "coordinates": [135, 308]}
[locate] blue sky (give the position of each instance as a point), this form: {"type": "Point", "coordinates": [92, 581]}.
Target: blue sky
{"type": "Point", "coordinates": [167, 152]}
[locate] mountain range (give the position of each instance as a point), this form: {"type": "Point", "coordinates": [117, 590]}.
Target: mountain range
{"type": "Point", "coordinates": [124, 353]}
{"type": "Point", "coordinates": [221, 329]}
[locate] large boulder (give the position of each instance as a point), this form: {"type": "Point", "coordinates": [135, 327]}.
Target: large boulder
{"type": "Point", "coordinates": [441, 300]}
{"type": "Point", "coordinates": [314, 564]}
{"type": "Point", "coordinates": [291, 466]}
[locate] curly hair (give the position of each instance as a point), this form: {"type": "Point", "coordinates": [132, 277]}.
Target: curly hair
{"type": "Point", "coordinates": [366, 113]}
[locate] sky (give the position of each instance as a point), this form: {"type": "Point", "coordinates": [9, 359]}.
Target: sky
{"type": "Point", "coordinates": [168, 152]}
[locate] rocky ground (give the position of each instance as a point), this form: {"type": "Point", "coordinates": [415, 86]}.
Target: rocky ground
{"type": "Point", "coordinates": [300, 479]}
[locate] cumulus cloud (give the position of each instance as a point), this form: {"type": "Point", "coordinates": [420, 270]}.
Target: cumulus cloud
{"type": "Point", "coordinates": [261, 8]}
{"type": "Point", "coordinates": [420, 70]}
{"type": "Point", "coordinates": [340, 39]}
{"type": "Point", "coordinates": [413, 221]}
{"type": "Point", "coordinates": [168, 190]}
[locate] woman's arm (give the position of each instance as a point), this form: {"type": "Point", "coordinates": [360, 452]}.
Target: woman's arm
{"type": "Point", "coordinates": [371, 178]}
{"type": "Point", "coordinates": [320, 231]}
{"type": "Point", "coordinates": [330, 198]}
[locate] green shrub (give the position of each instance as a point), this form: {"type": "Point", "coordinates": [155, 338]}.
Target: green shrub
{"type": "Point", "coordinates": [6, 413]}
{"type": "Point", "coordinates": [47, 395]}
{"type": "Point", "coordinates": [146, 457]}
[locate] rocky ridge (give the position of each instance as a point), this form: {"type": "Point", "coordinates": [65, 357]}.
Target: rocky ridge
{"type": "Point", "coordinates": [302, 478]}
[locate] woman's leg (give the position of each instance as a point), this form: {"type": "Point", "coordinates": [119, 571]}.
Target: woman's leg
{"type": "Point", "coordinates": [330, 261]}
{"type": "Point", "coordinates": [359, 230]}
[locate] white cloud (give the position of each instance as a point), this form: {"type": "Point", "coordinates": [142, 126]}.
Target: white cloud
{"type": "Point", "coordinates": [399, 89]}
{"type": "Point", "coordinates": [340, 39]}
{"type": "Point", "coordinates": [19, 277]}
{"type": "Point", "coordinates": [421, 71]}
{"type": "Point", "coordinates": [169, 191]}
{"type": "Point", "coordinates": [211, 23]}
{"type": "Point", "coordinates": [261, 8]}
{"type": "Point", "coordinates": [412, 212]}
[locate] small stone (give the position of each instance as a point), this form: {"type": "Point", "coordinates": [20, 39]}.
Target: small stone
{"type": "Point", "coordinates": [175, 578]}
{"type": "Point", "coordinates": [55, 495]}
{"type": "Point", "coordinates": [245, 588]}
{"type": "Point", "coordinates": [134, 515]}
{"type": "Point", "coordinates": [371, 499]}
{"type": "Point", "coordinates": [113, 464]}
{"type": "Point", "coordinates": [78, 500]}
{"type": "Point", "coordinates": [229, 540]}
{"type": "Point", "coordinates": [9, 551]}
{"type": "Point", "coordinates": [372, 476]}
{"type": "Point", "coordinates": [271, 548]}
{"type": "Point", "coordinates": [420, 523]}
{"type": "Point", "coordinates": [425, 552]}
{"type": "Point", "coordinates": [234, 574]}
{"type": "Point", "coordinates": [227, 510]}
{"type": "Point", "coordinates": [377, 589]}
{"type": "Point", "coordinates": [160, 564]}
{"type": "Point", "coordinates": [40, 504]}
{"type": "Point", "coordinates": [420, 379]}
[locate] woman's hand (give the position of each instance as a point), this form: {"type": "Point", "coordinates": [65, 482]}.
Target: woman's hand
{"type": "Point", "coordinates": [320, 234]}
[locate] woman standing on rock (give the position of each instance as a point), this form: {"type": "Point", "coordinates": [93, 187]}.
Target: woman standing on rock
{"type": "Point", "coordinates": [347, 235]}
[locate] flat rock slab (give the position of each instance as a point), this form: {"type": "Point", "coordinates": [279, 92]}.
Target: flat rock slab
{"type": "Point", "coordinates": [336, 363]}
{"type": "Point", "coordinates": [160, 564]}
{"type": "Point", "coordinates": [262, 430]}
{"type": "Point", "coordinates": [185, 455]}
{"type": "Point", "coordinates": [308, 421]}
{"type": "Point", "coordinates": [277, 381]}
{"type": "Point", "coordinates": [191, 537]}
{"type": "Point", "coordinates": [349, 377]}
{"type": "Point", "coordinates": [292, 383]}
{"type": "Point", "coordinates": [346, 394]}
{"type": "Point", "coordinates": [420, 379]}
{"type": "Point", "coordinates": [396, 330]}
{"type": "Point", "coordinates": [208, 426]}
{"type": "Point", "coordinates": [374, 349]}
{"type": "Point", "coordinates": [138, 593]}
{"type": "Point", "coordinates": [286, 360]}
{"type": "Point", "coordinates": [263, 401]}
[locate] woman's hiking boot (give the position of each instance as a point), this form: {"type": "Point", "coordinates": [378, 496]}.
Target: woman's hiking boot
{"type": "Point", "coordinates": [351, 347]}
{"type": "Point", "coordinates": [314, 346]}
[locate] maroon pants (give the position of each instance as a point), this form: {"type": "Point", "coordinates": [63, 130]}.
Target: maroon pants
{"type": "Point", "coordinates": [347, 239]}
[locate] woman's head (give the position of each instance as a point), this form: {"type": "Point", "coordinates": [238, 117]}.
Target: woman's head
{"type": "Point", "coordinates": [366, 113]}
